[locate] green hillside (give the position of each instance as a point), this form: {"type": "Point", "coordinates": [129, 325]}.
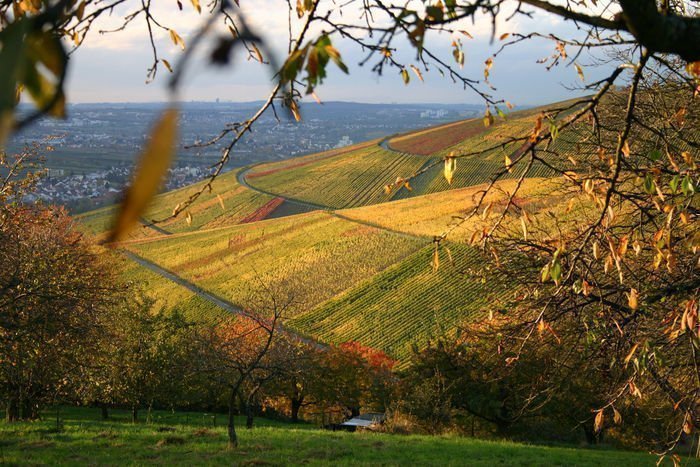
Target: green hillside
{"type": "Point", "coordinates": [358, 176]}
{"type": "Point", "coordinates": [228, 203]}
{"type": "Point", "coordinates": [316, 255]}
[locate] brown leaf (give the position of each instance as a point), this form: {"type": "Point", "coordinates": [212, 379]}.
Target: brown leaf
{"type": "Point", "coordinates": [153, 163]}
{"type": "Point", "coordinates": [598, 423]}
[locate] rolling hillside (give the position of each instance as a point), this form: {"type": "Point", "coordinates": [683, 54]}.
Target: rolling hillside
{"type": "Point", "coordinates": [360, 265]}
{"type": "Point", "coordinates": [315, 255]}
{"type": "Point", "coordinates": [228, 203]}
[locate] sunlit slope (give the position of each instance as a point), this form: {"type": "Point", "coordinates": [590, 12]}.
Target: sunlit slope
{"type": "Point", "coordinates": [405, 305]}
{"type": "Point", "coordinates": [228, 203]}
{"type": "Point", "coordinates": [316, 255]}
{"type": "Point", "coordinates": [354, 178]}
{"type": "Point", "coordinates": [436, 213]}
{"type": "Point", "coordinates": [412, 302]}
{"type": "Point", "coordinates": [433, 140]}
{"type": "Point", "coordinates": [167, 296]}
{"type": "Point", "coordinates": [358, 177]}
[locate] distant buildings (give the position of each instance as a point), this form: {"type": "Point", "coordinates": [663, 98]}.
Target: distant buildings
{"type": "Point", "coordinates": [440, 113]}
{"type": "Point", "coordinates": [344, 141]}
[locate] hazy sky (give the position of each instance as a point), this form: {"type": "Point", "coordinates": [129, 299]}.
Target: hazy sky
{"type": "Point", "coordinates": [112, 67]}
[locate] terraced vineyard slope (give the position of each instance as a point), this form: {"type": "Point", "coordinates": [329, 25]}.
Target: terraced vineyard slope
{"type": "Point", "coordinates": [316, 255]}
{"type": "Point", "coordinates": [228, 203]}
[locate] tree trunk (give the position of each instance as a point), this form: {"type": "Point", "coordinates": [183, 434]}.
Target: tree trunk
{"type": "Point", "coordinates": [12, 410]}
{"type": "Point", "coordinates": [592, 437]}
{"type": "Point", "coordinates": [104, 412]}
{"type": "Point", "coordinates": [296, 406]}
{"type": "Point", "coordinates": [134, 414]}
{"type": "Point", "coordinates": [232, 437]}
{"type": "Point", "coordinates": [249, 417]}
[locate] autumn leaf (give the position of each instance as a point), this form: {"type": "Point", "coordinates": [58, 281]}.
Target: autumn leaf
{"type": "Point", "coordinates": [626, 149]}
{"type": "Point", "coordinates": [617, 417]}
{"type": "Point", "coordinates": [633, 299]}
{"type": "Point", "coordinates": [404, 75]}
{"type": "Point", "coordinates": [153, 164]}
{"type": "Point", "coordinates": [487, 68]}
{"type": "Point", "coordinates": [177, 40]}
{"type": "Point", "coordinates": [417, 72]}
{"type": "Point", "coordinates": [450, 168]}
{"type": "Point", "coordinates": [598, 422]}
{"type": "Point", "coordinates": [630, 354]}
{"type": "Point", "coordinates": [167, 65]}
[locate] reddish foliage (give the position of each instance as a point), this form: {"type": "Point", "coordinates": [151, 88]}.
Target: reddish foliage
{"type": "Point", "coordinates": [263, 211]}
{"type": "Point", "coordinates": [429, 142]}
{"type": "Point", "coordinates": [374, 358]}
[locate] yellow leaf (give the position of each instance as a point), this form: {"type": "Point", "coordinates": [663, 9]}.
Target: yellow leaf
{"type": "Point", "coordinates": [485, 214]}
{"type": "Point", "coordinates": [258, 54]}
{"type": "Point", "coordinates": [196, 5]}
{"type": "Point", "coordinates": [177, 40]}
{"type": "Point", "coordinates": [504, 36]}
{"type": "Point", "coordinates": [488, 118]}
{"type": "Point", "coordinates": [153, 163]}
{"type": "Point", "coordinates": [524, 226]}
{"type": "Point", "coordinates": [404, 75]}
{"type": "Point", "coordinates": [450, 168]}
{"type": "Point", "coordinates": [509, 163]}
{"type": "Point", "coordinates": [294, 108]}
{"type": "Point", "coordinates": [167, 64]}
{"type": "Point", "coordinates": [487, 68]}
{"type": "Point", "coordinates": [617, 417]}
{"type": "Point", "coordinates": [598, 423]}
{"type": "Point", "coordinates": [417, 72]}
{"type": "Point", "coordinates": [579, 70]}
{"type": "Point", "coordinates": [188, 218]}
{"type": "Point", "coordinates": [631, 353]}
{"type": "Point", "coordinates": [626, 149]}
{"type": "Point", "coordinates": [633, 299]}
{"type": "Point", "coordinates": [221, 202]}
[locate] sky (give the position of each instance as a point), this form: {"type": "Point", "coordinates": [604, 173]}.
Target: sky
{"type": "Point", "coordinates": [112, 67]}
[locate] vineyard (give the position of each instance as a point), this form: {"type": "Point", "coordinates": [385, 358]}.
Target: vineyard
{"type": "Point", "coordinates": [363, 273]}
{"type": "Point", "coordinates": [316, 255]}
{"type": "Point", "coordinates": [274, 167]}
{"type": "Point", "coordinates": [228, 203]}
{"type": "Point", "coordinates": [355, 178]}
{"type": "Point", "coordinates": [406, 305]}
{"type": "Point", "coordinates": [437, 140]}
{"type": "Point", "coordinates": [168, 297]}
{"type": "Point", "coordinates": [432, 214]}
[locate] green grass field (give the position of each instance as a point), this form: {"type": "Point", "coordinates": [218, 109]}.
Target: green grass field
{"type": "Point", "coordinates": [199, 439]}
